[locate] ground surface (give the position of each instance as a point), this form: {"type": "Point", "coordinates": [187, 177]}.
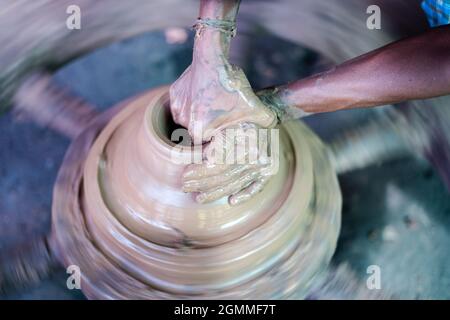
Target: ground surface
{"type": "Point", "coordinates": [395, 215]}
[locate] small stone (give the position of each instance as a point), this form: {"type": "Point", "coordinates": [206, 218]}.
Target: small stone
{"type": "Point", "coordinates": [390, 234]}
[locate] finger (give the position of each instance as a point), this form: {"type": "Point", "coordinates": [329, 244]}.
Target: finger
{"type": "Point", "coordinates": [228, 189]}
{"type": "Point", "coordinates": [204, 184]}
{"type": "Point", "coordinates": [263, 117]}
{"type": "Point", "coordinates": [248, 193]}
{"type": "Point", "coordinates": [204, 170]}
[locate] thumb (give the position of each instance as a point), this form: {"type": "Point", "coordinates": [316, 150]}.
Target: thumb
{"type": "Point", "coordinates": [263, 117]}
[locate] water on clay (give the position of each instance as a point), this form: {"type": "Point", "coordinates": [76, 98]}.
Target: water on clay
{"type": "Point", "coordinates": [398, 207]}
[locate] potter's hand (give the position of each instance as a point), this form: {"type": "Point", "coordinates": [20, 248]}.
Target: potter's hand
{"type": "Point", "coordinates": [238, 163]}
{"type": "Point", "coordinates": [212, 95]}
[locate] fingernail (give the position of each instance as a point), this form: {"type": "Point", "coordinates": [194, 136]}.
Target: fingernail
{"type": "Point", "coordinates": [201, 198]}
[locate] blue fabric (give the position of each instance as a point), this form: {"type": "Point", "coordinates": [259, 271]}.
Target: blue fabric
{"type": "Point", "coordinates": [438, 11]}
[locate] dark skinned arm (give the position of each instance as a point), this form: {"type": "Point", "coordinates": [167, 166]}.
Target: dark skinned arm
{"type": "Point", "coordinates": [413, 68]}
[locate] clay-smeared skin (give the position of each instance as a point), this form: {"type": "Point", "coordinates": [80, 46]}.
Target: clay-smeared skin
{"type": "Point", "coordinates": [136, 235]}
{"type": "Point", "coordinates": [212, 94]}
{"type": "Point", "coordinates": [217, 179]}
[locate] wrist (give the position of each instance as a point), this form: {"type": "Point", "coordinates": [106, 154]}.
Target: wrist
{"type": "Point", "coordinates": [214, 29]}
{"type": "Point", "coordinates": [276, 100]}
{"type": "Point", "coordinates": [211, 43]}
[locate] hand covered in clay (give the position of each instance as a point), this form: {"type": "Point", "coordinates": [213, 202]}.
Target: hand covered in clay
{"type": "Point", "coordinates": [209, 97]}
{"type": "Point", "coordinates": [238, 163]}
{"type": "Point", "coordinates": [212, 95]}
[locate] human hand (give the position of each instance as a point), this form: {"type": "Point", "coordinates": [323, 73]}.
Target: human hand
{"type": "Point", "coordinates": [238, 163]}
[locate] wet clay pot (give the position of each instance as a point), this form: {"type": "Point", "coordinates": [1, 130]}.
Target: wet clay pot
{"type": "Point", "coordinates": [119, 214]}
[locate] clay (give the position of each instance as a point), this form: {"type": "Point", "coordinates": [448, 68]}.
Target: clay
{"type": "Point", "coordinates": [135, 233]}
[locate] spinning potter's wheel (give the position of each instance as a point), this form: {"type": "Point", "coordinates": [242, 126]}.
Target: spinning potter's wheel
{"type": "Point", "coordinates": [120, 215]}
{"type": "Point", "coordinates": [326, 37]}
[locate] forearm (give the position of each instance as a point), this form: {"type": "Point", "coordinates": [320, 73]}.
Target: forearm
{"type": "Point", "coordinates": [414, 68]}
{"type": "Point", "coordinates": [212, 42]}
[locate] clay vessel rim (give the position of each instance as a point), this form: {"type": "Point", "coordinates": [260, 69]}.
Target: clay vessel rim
{"type": "Point", "coordinates": [153, 115]}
